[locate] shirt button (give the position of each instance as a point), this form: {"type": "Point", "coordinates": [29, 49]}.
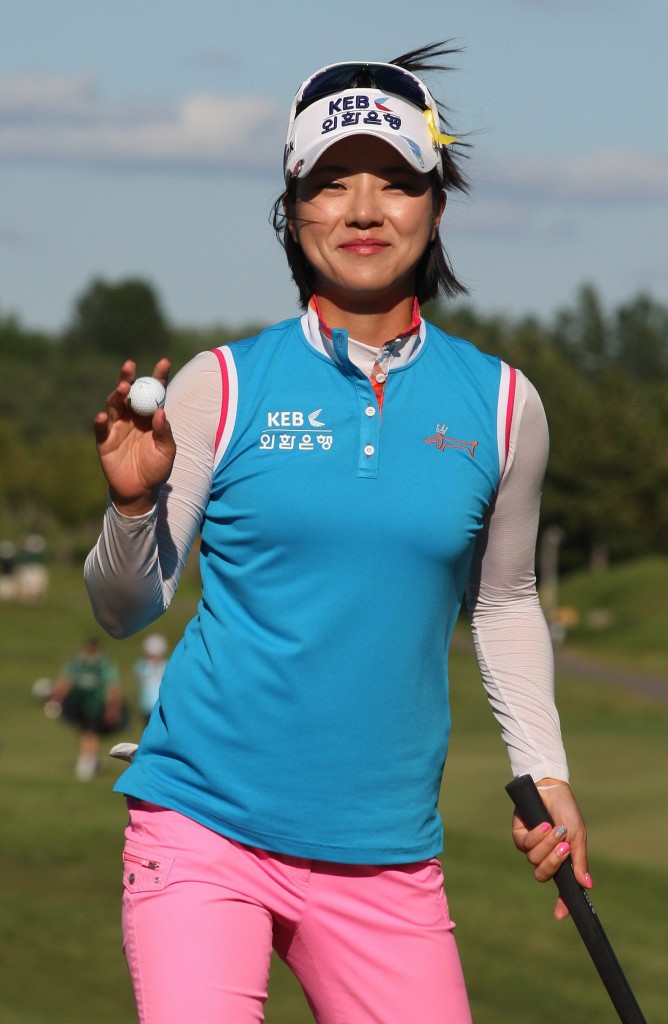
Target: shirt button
{"type": "Point", "coordinates": [381, 378]}
{"type": "Point", "coordinates": [370, 411]}
{"type": "Point", "coordinates": [369, 450]}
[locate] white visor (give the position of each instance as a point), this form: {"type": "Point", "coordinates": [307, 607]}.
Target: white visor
{"type": "Point", "coordinates": [360, 111]}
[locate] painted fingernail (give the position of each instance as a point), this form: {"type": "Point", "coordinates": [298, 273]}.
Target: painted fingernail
{"type": "Point", "coordinates": [588, 881]}
{"type": "Point", "coordinates": [560, 831]}
{"type": "Point", "coordinates": [563, 849]}
{"type": "Point", "coordinates": [545, 827]}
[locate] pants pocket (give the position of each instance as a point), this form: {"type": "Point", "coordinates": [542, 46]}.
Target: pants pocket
{"type": "Point", "coordinates": [141, 873]}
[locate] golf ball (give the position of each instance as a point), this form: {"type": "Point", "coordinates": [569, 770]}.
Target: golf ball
{"type": "Point", "coordinates": [146, 395]}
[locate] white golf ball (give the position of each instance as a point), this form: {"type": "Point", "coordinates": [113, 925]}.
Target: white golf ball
{"type": "Point", "coordinates": [146, 395]}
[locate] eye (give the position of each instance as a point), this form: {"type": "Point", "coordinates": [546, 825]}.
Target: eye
{"type": "Point", "coordinates": [317, 185]}
{"type": "Point", "coordinates": [408, 185]}
{"type": "Point", "coordinates": [312, 187]}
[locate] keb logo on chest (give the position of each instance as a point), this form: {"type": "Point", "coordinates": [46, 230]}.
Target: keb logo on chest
{"type": "Point", "coordinates": [285, 419]}
{"type": "Point", "coordinates": [294, 430]}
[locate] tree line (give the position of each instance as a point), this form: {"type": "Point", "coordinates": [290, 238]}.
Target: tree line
{"type": "Point", "coordinates": [602, 375]}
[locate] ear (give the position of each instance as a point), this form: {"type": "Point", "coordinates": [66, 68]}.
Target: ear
{"type": "Point", "coordinates": [438, 214]}
{"type": "Point", "coordinates": [291, 225]}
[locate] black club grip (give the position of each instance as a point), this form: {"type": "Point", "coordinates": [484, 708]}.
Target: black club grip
{"type": "Point", "coordinates": [531, 809]}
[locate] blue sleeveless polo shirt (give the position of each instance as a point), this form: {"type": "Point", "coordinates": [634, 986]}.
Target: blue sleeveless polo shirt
{"type": "Point", "coordinates": [306, 710]}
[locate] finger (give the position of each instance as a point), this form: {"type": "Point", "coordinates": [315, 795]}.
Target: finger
{"type": "Point", "coordinates": [101, 427]}
{"type": "Point", "coordinates": [159, 423]}
{"type": "Point", "coordinates": [162, 432]}
{"type": "Point", "coordinates": [117, 399]}
{"type": "Point", "coordinates": [528, 839]}
{"type": "Point", "coordinates": [539, 843]}
{"type": "Point", "coordinates": [582, 876]}
{"type": "Point", "coordinates": [128, 370]}
{"type": "Point", "coordinates": [126, 374]}
{"type": "Point", "coordinates": [579, 859]}
{"type": "Point", "coordinates": [585, 880]}
{"type": "Point", "coordinates": [161, 370]}
{"type": "Point", "coordinates": [561, 911]}
{"type": "Point", "coordinates": [550, 864]}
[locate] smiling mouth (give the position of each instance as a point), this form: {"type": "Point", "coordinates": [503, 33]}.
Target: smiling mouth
{"type": "Point", "coordinates": [364, 246]}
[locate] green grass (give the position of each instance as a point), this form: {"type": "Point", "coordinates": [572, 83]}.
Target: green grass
{"type": "Point", "coordinates": [520, 964]}
{"type": "Point", "coordinates": [623, 614]}
{"type": "Point", "coordinates": [60, 846]}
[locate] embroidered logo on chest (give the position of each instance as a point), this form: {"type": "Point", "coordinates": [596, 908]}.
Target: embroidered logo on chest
{"type": "Point", "coordinates": [442, 440]}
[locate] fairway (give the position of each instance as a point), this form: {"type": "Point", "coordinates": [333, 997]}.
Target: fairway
{"type": "Point", "coordinates": [60, 956]}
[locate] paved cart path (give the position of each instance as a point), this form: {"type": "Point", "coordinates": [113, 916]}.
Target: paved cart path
{"type": "Point", "coordinates": [649, 684]}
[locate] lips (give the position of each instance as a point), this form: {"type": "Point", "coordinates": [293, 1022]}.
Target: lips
{"type": "Point", "coordinates": [364, 246]}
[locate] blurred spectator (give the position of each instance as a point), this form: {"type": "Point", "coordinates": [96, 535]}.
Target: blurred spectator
{"type": "Point", "coordinates": [88, 695]}
{"type": "Point", "coordinates": [7, 570]}
{"type": "Point", "coordinates": [32, 578]}
{"type": "Point", "coordinates": [149, 670]}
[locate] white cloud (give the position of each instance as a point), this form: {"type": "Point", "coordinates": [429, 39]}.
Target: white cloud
{"type": "Point", "coordinates": [60, 119]}
{"type": "Point", "coordinates": [213, 58]}
{"type": "Point", "coordinates": [541, 199]}
{"type": "Point", "coordinates": [50, 118]}
{"type": "Point", "coordinates": [607, 176]}
{"type": "Point", "coordinates": [506, 219]}
{"type": "Point", "coordinates": [488, 217]}
{"type": "Point", "coordinates": [27, 98]}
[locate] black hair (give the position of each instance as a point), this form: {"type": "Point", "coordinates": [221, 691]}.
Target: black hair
{"type": "Point", "coordinates": [434, 273]}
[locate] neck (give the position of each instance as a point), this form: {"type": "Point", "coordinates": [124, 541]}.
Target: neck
{"type": "Point", "coordinates": [368, 324]}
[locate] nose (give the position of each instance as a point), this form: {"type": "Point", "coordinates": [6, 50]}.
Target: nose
{"type": "Point", "coordinates": [364, 208]}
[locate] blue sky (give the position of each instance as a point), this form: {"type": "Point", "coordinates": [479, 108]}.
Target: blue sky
{"type": "Point", "coordinates": [144, 138]}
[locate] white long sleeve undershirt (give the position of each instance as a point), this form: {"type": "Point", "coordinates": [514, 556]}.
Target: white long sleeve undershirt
{"type": "Point", "coordinates": [134, 569]}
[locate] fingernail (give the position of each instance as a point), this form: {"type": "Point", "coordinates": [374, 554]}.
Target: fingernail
{"type": "Point", "coordinates": [545, 827]}
{"type": "Point", "coordinates": [588, 881]}
{"type": "Point", "coordinates": [560, 831]}
{"type": "Point", "coordinates": [563, 849]}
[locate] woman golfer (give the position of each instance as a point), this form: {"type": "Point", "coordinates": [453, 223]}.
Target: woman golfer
{"type": "Point", "coordinates": [352, 472]}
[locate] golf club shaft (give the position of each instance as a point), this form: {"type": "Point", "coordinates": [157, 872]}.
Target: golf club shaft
{"type": "Point", "coordinates": [531, 809]}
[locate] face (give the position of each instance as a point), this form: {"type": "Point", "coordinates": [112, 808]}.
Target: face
{"type": "Point", "coordinates": [363, 218]}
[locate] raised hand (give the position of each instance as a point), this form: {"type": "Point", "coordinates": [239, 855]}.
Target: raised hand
{"type": "Point", "coordinates": [136, 452]}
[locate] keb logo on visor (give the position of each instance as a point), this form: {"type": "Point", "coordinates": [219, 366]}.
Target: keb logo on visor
{"type": "Point", "coordinates": [380, 100]}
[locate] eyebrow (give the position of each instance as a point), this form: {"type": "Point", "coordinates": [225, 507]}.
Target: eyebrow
{"type": "Point", "coordinates": [344, 169]}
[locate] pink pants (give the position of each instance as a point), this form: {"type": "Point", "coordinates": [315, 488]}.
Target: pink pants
{"type": "Point", "coordinates": [202, 913]}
